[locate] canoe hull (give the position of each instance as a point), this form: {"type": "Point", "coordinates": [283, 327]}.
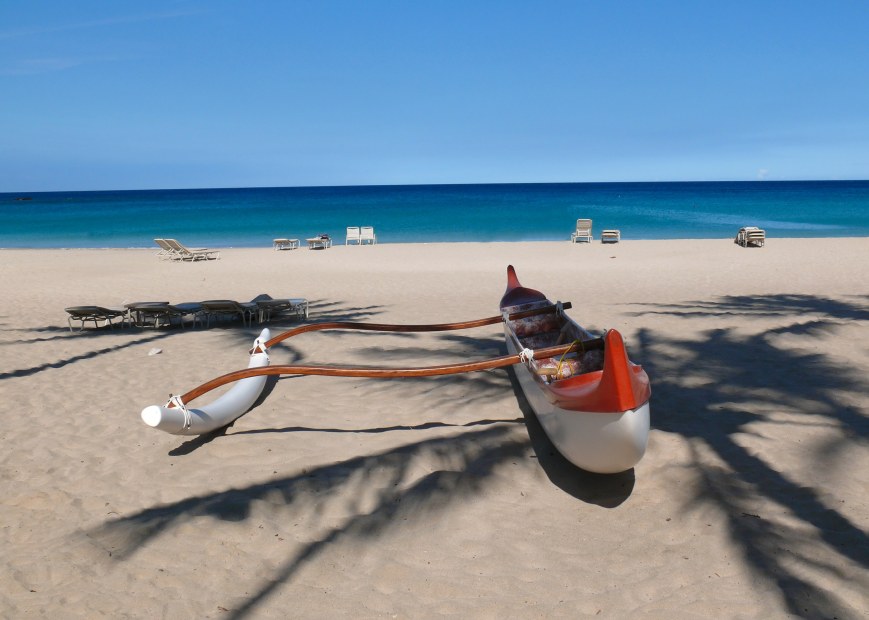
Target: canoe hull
{"type": "Point", "coordinates": [604, 443]}
{"type": "Point", "coordinates": [592, 404]}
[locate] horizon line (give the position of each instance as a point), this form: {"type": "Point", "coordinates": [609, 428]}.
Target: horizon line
{"type": "Point", "coordinates": [372, 185]}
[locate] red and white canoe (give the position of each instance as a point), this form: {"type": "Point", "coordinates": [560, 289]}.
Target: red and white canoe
{"type": "Point", "coordinates": [593, 404]}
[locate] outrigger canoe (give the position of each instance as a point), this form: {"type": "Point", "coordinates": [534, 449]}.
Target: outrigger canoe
{"type": "Point", "coordinates": [591, 400]}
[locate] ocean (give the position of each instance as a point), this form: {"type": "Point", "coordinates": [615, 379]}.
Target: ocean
{"type": "Point", "coordinates": [252, 217]}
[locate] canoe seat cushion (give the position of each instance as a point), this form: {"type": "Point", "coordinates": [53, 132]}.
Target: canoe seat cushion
{"type": "Point", "coordinates": [536, 325]}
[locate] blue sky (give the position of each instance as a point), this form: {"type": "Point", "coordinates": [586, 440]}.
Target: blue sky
{"type": "Point", "coordinates": [163, 94]}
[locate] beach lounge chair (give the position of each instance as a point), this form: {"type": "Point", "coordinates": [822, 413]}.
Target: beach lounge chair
{"type": "Point", "coordinates": [228, 308]}
{"type": "Point", "coordinates": [320, 242]}
{"type": "Point", "coordinates": [751, 235]}
{"type": "Point", "coordinates": [191, 254]}
{"type": "Point", "coordinates": [610, 236]}
{"type": "Point", "coordinates": [95, 314]}
{"type": "Point", "coordinates": [285, 244]}
{"type": "Point", "coordinates": [352, 235]}
{"type": "Point", "coordinates": [152, 313]}
{"type": "Point", "coordinates": [269, 308]}
{"type": "Point", "coordinates": [166, 251]}
{"type": "Point", "coordinates": [366, 235]}
{"type": "Point", "coordinates": [582, 232]}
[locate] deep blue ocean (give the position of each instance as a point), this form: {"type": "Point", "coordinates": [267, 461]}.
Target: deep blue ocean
{"type": "Point", "coordinates": [433, 213]}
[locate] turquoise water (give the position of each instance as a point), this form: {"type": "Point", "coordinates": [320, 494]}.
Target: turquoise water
{"type": "Point", "coordinates": [430, 213]}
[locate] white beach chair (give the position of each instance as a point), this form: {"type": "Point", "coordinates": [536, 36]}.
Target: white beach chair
{"type": "Point", "coordinates": [320, 242]}
{"type": "Point", "coordinates": [610, 236]}
{"type": "Point", "coordinates": [367, 235]}
{"type": "Point", "coordinates": [582, 232]}
{"type": "Point", "coordinates": [751, 235]}
{"type": "Point", "coordinates": [285, 244]}
{"type": "Point", "coordinates": [166, 251]}
{"type": "Point", "coordinates": [353, 235]}
{"type": "Point", "coordinates": [185, 253]}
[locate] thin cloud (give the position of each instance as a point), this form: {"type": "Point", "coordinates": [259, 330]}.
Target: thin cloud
{"type": "Point", "coordinates": [98, 23]}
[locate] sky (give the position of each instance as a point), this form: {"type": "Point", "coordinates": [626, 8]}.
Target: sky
{"type": "Point", "coordinates": [98, 95]}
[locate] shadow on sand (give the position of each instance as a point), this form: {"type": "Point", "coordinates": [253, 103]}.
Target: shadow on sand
{"type": "Point", "coordinates": [694, 397]}
{"type": "Point", "coordinates": [714, 389]}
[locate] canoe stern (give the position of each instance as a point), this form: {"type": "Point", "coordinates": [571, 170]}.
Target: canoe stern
{"type": "Point", "coordinates": [623, 385]}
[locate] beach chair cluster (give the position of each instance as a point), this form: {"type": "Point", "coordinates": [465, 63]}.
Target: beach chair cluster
{"type": "Point", "coordinates": [750, 236]}
{"type": "Point", "coordinates": [171, 249]}
{"type": "Point", "coordinates": [360, 235]}
{"type": "Point", "coordinates": [261, 309]}
{"type": "Point", "coordinates": [583, 233]}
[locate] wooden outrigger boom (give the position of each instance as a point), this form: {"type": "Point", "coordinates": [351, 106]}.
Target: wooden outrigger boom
{"type": "Point", "coordinates": [433, 327]}
{"type": "Point", "coordinates": [175, 417]}
{"type": "Point", "coordinates": [381, 373]}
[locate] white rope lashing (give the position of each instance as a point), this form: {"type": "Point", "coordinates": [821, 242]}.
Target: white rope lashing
{"type": "Point", "coordinates": [176, 402]}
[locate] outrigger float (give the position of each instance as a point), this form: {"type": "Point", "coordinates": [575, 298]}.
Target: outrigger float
{"type": "Point", "coordinates": [591, 400]}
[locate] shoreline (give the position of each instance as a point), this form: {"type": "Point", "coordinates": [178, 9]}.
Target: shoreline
{"type": "Point", "coordinates": [414, 243]}
{"type": "Point", "coordinates": [395, 497]}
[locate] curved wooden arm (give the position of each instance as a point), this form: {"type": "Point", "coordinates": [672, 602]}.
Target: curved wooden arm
{"type": "Point", "coordinates": [434, 327]}
{"type": "Point", "coordinates": [385, 373]}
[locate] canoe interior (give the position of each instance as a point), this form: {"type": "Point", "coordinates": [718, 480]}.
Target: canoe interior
{"type": "Point", "coordinates": [548, 330]}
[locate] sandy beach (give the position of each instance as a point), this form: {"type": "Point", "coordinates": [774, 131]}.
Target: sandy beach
{"type": "Point", "coordinates": [414, 498]}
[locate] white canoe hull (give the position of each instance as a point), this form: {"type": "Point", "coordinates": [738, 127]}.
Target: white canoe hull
{"type": "Point", "coordinates": [215, 415]}
{"type": "Point", "coordinates": [605, 443]}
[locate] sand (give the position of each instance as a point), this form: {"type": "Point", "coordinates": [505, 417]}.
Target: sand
{"type": "Point", "coordinates": [417, 498]}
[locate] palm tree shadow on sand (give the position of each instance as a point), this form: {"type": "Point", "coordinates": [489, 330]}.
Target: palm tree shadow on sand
{"type": "Point", "coordinates": [463, 464]}
{"type": "Point", "coordinates": [735, 382]}
{"type": "Point", "coordinates": [704, 409]}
